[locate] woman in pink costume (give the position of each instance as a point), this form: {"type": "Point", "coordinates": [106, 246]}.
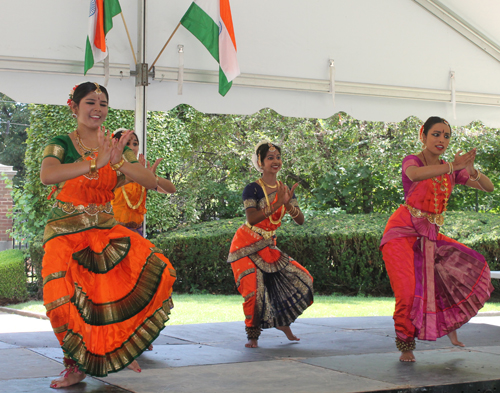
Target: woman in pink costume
{"type": "Point", "coordinates": [439, 283]}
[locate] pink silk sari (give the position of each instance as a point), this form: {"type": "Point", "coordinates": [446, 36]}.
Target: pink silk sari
{"type": "Point", "coordinates": [439, 283]}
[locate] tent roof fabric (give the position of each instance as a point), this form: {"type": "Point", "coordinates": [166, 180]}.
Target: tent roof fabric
{"type": "Point", "coordinates": [392, 58]}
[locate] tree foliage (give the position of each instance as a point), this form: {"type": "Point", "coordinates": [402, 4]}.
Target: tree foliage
{"type": "Point", "coordinates": [14, 120]}
{"type": "Point", "coordinates": [343, 164]}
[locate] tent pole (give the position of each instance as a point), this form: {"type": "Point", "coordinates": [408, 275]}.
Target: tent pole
{"type": "Point", "coordinates": [141, 83]}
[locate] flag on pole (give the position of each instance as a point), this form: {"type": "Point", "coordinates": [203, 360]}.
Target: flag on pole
{"type": "Point", "coordinates": [100, 22]}
{"type": "Point", "coordinates": [210, 21]}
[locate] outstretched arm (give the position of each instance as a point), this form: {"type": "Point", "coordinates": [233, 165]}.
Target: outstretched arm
{"type": "Point", "coordinates": [416, 173]}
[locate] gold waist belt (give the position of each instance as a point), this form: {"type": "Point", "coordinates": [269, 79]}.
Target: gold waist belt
{"type": "Point", "coordinates": [91, 208]}
{"type": "Point", "coordinates": [265, 234]}
{"type": "Point", "coordinates": [434, 218]}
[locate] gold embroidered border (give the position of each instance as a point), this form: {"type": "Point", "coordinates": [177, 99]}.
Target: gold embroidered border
{"type": "Point", "coordinates": [172, 272]}
{"type": "Point", "coordinates": [248, 250]}
{"type": "Point", "coordinates": [243, 274]}
{"type": "Point", "coordinates": [249, 203]}
{"type": "Point", "coordinates": [61, 223]}
{"type": "Point", "coordinates": [107, 259]}
{"type": "Point", "coordinates": [129, 156]}
{"type": "Point", "coordinates": [262, 203]}
{"type": "Point", "coordinates": [55, 151]}
{"type": "Point", "coordinates": [270, 267]}
{"type": "Point", "coordinates": [54, 276]}
{"type": "Point", "coordinates": [57, 303]}
{"type": "Point", "coordinates": [61, 329]}
{"type": "Point", "coordinates": [100, 314]}
{"type": "Point", "coordinates": [137, 342]}
{"type": "Point", "coordinates": [156, 250]}
{"type": "Point", "coordinates": [245, 298]}
{"type": "Point", "coordinates": [91, 208]}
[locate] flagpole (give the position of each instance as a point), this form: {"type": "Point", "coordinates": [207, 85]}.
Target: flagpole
{"type": "Point", "coordinates": [164, 46]}
{"type": "Point", "coordinates": [129, 40]}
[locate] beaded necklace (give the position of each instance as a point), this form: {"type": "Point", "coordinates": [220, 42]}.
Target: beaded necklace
{"type": "Point", "coordinates": [129, 204]}
{"type": "Point", "coordinates": [283, 210]}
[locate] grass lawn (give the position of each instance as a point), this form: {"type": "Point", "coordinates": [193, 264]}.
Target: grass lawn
{"type": "Point", "coordinates": [220, 308]}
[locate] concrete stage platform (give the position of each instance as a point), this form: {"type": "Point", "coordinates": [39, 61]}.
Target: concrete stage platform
{"type": "Point", "coordinates": [340, 355]}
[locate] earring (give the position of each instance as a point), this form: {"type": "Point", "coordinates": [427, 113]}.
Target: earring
{"type": "Point", "coordinates": [74, 115]}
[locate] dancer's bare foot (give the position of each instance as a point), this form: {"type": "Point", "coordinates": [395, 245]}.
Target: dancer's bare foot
{"type": "Point", "coordinates": [252, 343]}
{"type": "Point", "coordinates": [407, 356]}
{"type": "Point", "coordinates": [288, 332]}
{"type": "Point", "coordinates": [134, 366]}
{"type": "Point", "coordinates": [150, 348]}
{"type": "Point", "coordinates": [71, 378]}
{"type": "Point", "coordinates": [454, 339]}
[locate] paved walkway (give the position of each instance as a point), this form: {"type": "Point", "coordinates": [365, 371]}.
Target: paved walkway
{"type": "Point", "coordinates": [340, 355]}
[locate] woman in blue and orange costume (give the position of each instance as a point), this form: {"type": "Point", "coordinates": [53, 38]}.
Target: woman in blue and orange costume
{"type": "Point", "coordinates": [276, 289]}
{"type": "Point", "coordinates": [106, 288]}
{"type": "Point", "coordinates": [129, 203]}
{"type": "Point", "coordinates": [439, 283]}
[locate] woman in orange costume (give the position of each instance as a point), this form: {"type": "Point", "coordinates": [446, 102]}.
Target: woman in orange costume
{"type": "Point", "coordinates": [129, 204]}
{"type": "Point", "coordinates": [106, 289]}
{"type": "Point", "coordinates": [275, 288]}
{"type": "Point", "coordinates": [439, 284]}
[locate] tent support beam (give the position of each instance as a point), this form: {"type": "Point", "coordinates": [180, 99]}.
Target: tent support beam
{"type": "Point", "coordinates": [170, 74]}
{"type": "Point", "coordinates": [141, 84]}
{"type": "Point", "coordinates": [460, 25]}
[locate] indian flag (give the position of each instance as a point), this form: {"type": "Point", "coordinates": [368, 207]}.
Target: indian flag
{"type": "Point", "coordinates": [210, 21]}
{"type": "Point", "coordinates": [100, 22]}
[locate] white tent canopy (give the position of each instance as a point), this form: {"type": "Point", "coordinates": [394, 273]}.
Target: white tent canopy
{"type": "Point", "coordinates": [392, 58]}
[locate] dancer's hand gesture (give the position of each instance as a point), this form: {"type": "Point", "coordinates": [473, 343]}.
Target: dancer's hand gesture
{"type": "Point", "coordinates": [105, 147]}
{"type": "Point", "coordinates": [118, 146]}
{"type": "Point", "coordinates": [289, 193]}
{"type": "Point", "coordinates": [146, 164]}
{"type": "Point", "coordinates": [462, 161]}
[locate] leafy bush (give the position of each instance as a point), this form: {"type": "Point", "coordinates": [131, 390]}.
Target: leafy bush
{"type": "Point", "coordinates": [13, 282]}
{"type": "Point", "coordinates": [341, 251]}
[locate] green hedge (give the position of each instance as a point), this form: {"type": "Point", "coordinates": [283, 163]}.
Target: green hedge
{"type": "Point", "coordinates": [13, 275]}
{"type": "Point", "coordinates": [341, 251]}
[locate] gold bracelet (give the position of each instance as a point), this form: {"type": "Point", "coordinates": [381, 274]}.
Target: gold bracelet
{"type": "Point", "coordinates": [451, 168]}
{"type": "Point", "coordinates": [297, 211]}
{"type": "Point", "coordinates": [93, 165]}
{"type": "Point", "coordinates": [477, 177]}
{"type": "Point", "coordinates": [118, 165]}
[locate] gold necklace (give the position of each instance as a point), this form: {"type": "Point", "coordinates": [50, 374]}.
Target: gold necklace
{"type": "Point", "coordinates": [267, 185]}
{"type": "Point", "coordinates": [283, 210]}
{"type": "Point", "coordinates": [84, 148]}
{"type": "Point", "coordinates": [129, 204]}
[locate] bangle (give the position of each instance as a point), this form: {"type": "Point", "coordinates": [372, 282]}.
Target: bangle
{"type": "Point", "coordinates": [93, 165]}
{"type": "Point", "coordinates": [477, 177]}
{"type": "Point", "coordinates": [451, 168]}
{"type": "Point", "coordinates": [294, 211]}
{"type": "Point", "coordinates": [118, 165]}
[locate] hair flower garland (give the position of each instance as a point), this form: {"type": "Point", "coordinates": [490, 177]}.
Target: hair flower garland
{"type": "Point", "coordinates": [72, 91]}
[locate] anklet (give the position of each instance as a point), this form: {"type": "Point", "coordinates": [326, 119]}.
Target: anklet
{"type": "Point", "coordinates": [71, 367]}
{"type": "Point", "coordinates": [405, 346]}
